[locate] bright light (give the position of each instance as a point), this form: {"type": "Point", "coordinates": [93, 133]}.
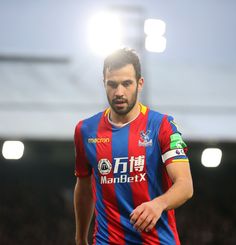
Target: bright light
{"type": "Point", "coordinates": [12, 150]}
{"type": "Point", "coordinates": [154, 27]}
{"type": "Point", "coordinates": [211, 157]}
{"type": "Point", "coordinates": [155, 41]}
{"type": "Point", "coordinates": [155, 44]}
{"type": "Point", "coordinates": [105, 33]}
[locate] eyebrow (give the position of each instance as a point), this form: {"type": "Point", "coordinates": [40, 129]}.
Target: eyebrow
{"type": "Point", "coordinates": [125, 81]}
{"type": "Point", "coordinates": [110, 81]}
{"type": "Point", "coordinates": [128, 81]}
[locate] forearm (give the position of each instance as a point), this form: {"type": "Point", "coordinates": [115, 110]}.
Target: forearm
{"type": "Point", "coordinates": [146, 215]}
{"type": "Point", "coordinates": [179, 193]}
{"type": "Point", "coordinates": [84, 208]}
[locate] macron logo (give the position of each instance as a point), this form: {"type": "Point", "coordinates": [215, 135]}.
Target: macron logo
{"type": "Point", "coordinates": [98, 140]}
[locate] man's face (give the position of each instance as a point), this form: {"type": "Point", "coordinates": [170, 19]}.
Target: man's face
{"type": "Point", "coordinates": [122, 89]}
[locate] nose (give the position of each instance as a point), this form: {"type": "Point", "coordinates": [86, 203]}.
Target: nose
{"type": "Point", "coordinates": [119, 92]}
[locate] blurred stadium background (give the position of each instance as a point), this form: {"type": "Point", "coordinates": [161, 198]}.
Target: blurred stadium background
{"type": "Point", "coordinates": [51, 77]}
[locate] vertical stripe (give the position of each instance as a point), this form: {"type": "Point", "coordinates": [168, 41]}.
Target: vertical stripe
{"type": "Point", "coordinates": [82, 167]}
{"type": "Point", "coordinates": [167, 183]}
{"type": "Point", "coordinates": [154, 163]}
{"type": "Point", "coordinates": [172, 223]}
{"type": "Point", "coordinates": [154, 156]}
{"type": "Point", "coordinates": [104, 150]}
{"type": "Point", "coordinates": [168, 227]}
{"type": "Point", "coordinates": [123, 189]}
{"type": "Point", "coordinates": [172, 124]}
{"type": "Point", "coordinates": [135, 150]}
{"type": "Point", "coordinates": [96, 212]}
{"type": "Point", "coordinates": [90, 131]}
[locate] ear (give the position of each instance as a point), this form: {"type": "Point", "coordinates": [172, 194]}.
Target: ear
{"type": "Point", "coordinates": [140, 84]}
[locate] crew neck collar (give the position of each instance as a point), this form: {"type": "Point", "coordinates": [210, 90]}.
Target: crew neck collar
{"type": "Point", "coordinates": [123, 125]}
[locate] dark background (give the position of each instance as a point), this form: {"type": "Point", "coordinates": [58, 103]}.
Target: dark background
{"type": "Point", "coordinates": [36, 197]}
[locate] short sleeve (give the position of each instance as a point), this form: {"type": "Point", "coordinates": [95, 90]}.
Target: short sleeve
{"type": "Point", "coordinates": [173, 148]}
{"type": "Point", "coordinates": [82, 166]}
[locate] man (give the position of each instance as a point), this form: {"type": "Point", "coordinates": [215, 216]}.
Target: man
{"type": "Point", "coordinates": [130, 165]}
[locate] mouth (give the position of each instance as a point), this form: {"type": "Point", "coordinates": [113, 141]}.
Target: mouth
{"type": "Point", "coordinates": [119, 102]}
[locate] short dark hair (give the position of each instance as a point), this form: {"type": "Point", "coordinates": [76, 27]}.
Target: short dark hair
{"type": "Point", "coordinates": [121, 58]}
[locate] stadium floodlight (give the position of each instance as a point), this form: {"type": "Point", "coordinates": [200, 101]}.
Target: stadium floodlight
{"type": "Point", "coordinates": [12, 150]}
{"type": "Point", "coordinates": [155, 41]}
{"type": "Point", "coordinates": [155, 44]}
{"type": "Point", "coordinates": [211, 157]}
{"type": "Point", "coordinates": [154, 27]}
{"type": "Point", "coordinates": [105, 33]}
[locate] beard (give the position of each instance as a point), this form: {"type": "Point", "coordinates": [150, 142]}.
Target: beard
{"type": "Point", "coordinates": [119, 100]}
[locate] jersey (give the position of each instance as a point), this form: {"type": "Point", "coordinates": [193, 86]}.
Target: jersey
{"type": "Point", "coordinates": [128, 166]}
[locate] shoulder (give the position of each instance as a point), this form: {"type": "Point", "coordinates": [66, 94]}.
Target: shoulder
{"type": "Point", "coordinates": [89, 123]}
{"type": "Point", "coordinates": [156, 114]}
{"type": "Point", "coordinates": [158, 118]}
{"type": "Point", "coordinates": [160, 121]}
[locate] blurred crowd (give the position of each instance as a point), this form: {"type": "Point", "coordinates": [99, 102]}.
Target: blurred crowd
{"type": "Point", "coordinates": [38, 209]}
{"type": "Point", "coordinates": [36, 215]}
{"type": "Point", "coordinates": [206, 222]}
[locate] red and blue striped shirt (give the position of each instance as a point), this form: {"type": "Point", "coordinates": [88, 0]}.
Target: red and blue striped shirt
{"type": "Point", "coordinates": [128, 168]}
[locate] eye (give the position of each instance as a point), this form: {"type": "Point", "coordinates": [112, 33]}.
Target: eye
{"type": "Point", "coordinates": [112, 84]}
{"type": "Point", "coordinates": [126, 83]}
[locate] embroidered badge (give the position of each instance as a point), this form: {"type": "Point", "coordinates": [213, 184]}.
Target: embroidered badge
{"type": "Point", "coordinates": [145, 139]}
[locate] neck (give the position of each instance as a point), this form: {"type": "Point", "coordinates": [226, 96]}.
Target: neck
{"type": "Point", "coordinates": [121, 120]}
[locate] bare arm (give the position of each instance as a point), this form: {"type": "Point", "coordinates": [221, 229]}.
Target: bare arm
{"type": "Point", "coordinates": [145, 216]}
{"type": "Point", "coordinates": [84, 207]}
{"type": "Point", "coordinates": [181, 190]}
